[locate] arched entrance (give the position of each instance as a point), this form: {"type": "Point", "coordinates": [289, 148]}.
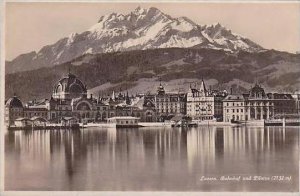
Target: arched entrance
{"type": "Point", "coordinates": [84, 112]}
{"type": "Point", "coordinates": [149, 116]}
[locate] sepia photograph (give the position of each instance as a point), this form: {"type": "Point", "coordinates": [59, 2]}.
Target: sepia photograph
{"type": "Point", "coordinates": [188, 97]}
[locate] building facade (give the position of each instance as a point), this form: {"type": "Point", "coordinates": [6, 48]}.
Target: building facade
{"type": "Point", "coordinates": [284, 104]}
{"type": "Point", "coordinates": [13, 110]}
{"type": "Point", "coordinates": [296, 97]}
{"type": "Point", "coordinates": [69, 100]}
{"type": "Point", "coordinates": [168, 105]}
{"type": "Point", "coordinates": [203, 104]}
{"type": "Point", "coordinates": [69, 87]}
{"type": "Point", "coordinates": [255, 105]}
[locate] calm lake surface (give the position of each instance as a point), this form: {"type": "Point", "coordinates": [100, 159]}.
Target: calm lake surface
{"type": "Point", "coordinates": [153, 159]}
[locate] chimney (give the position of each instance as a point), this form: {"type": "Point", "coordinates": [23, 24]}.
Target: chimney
{"type": "Point", "coordinates": [91, 96]}
{"type": "Point", "coordinates": [231, 91]}
{"type": "Point", "coordinates": [98, 100]}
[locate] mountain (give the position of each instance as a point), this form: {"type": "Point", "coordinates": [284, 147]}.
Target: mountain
{"type": "Point", "coordinates": [141, 29]}
{"type": "Point", "coordinates": [139, 72]}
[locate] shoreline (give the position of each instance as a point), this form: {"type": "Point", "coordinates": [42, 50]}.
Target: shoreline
{"type": "Point", "coordinates": [148, 124]}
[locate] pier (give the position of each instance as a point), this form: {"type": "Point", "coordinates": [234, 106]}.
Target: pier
{"type": "Point", "coordinates": [283, 122]}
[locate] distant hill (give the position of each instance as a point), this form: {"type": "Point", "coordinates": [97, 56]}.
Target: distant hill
{"type": "Point", "coordinates": [138, 71]}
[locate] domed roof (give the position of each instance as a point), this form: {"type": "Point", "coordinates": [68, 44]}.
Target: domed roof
{"type": "Point", "coordinates": [257, 91]}
{"type": "Point", "coordinates": [70, 84]}
{"type": "Point", "coordinates": [160, 89]}
{"type": "Point", "coordinates": [14, 102]}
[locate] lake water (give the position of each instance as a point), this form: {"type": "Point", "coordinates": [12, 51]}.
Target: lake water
{"type": "Point", "coordinates": [154, 159]}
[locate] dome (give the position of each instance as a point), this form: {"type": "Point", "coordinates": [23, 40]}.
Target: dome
{"type": "Point", "coordinates": [69, 87]}
{"type": "Point", "coordinates": [14, 102]}
{"type": "Point", "coordinates": [257, 92]}
{"type": "Point", "coordinates": [160, 89]}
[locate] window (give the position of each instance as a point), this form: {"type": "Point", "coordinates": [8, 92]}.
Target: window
{"type": "Point", "coordinates": [233, 110]}
{"type": "Point", "coordinates": [241, 110]}
{"type": "Point", "coordinates": [237, 110]}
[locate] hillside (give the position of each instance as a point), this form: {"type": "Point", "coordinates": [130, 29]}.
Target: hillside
{"type": "Point", "coordinates": [138, 71]}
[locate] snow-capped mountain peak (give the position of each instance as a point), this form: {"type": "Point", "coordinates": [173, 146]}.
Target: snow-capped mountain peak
{"type": "Point", "coordinates": [139, 11]}
{"type": "Point", "coordinates": [142, 29]}
{"type": "Point", "coordinates": [150, 28]}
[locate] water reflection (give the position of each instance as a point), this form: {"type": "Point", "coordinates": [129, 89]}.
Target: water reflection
{"type": "Point", "coordinates": [150, 159]}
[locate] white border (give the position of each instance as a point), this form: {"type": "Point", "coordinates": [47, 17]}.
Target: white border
{"type": "Point", "coordinates": [94, 193]}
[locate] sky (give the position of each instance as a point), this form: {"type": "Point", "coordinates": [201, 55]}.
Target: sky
{"type": "Point", "coordinates": [30, 26]}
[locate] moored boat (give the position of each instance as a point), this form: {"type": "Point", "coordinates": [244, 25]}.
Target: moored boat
{"type": "Point", "coordinates": [124, 121]}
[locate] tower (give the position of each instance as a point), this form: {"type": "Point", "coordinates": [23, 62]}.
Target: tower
{"type": "Point", "coordinates": [202, 89]}
{"type": "Point", "coordinates": [160, 89]}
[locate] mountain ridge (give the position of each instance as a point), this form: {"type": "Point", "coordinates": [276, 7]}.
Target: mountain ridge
{"type": "Point", "coordinates": [141, 29]}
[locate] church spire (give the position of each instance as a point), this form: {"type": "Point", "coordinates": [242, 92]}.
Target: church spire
{"type": "Point", "coordinates": [160, 81]}
{"type": "Point", "coordinates": [98, 100]}
{"type": "Point", "coordinates": [69, 70]}
{"type": "Point", "coordinates": [202, 89]}
{"type": "Point", "coordinates": [128, 102]}
{"type": "Point", "coordinates": [160, 89]}
{"type": "Point", "coordinates": [113, 96]}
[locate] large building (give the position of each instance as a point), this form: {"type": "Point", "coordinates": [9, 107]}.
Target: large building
{"type": "Point", "coordinates": [168, 105]}
{"type": "Point", "coordinates": [284, 104]}
{"type": "Point", "coordinates": [70, 99]}
{"type": "Point", "coordinates": [13, 110]}
{"type": "Point", "coordinates": [203, 104]}
{"type": "Point", "coordinates": [255, 105]}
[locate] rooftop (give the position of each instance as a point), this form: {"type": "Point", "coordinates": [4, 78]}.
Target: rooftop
{"type": "Point", "coordinates": [123, 118]}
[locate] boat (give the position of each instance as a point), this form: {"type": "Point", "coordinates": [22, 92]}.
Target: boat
{"type": "Point", "coordinates": [124, 121]}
